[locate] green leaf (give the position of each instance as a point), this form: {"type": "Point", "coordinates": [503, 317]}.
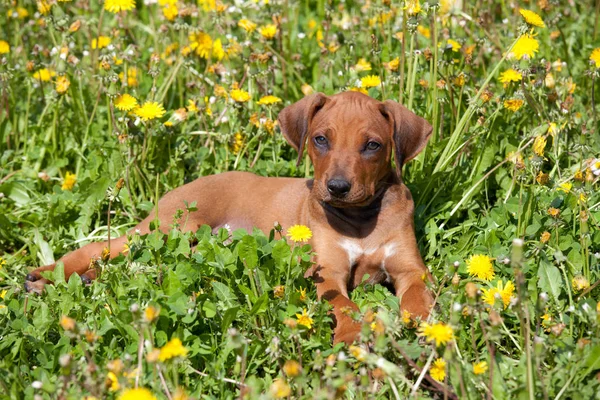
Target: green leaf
{"type": "Point", "coordinates": [228, 318]}
{"type": "Point", "coordinates": [224, 294]}
{"type": "Point", "coordinates": [550, 279]}
{"type": "Point", "coordinates": [247, 251]}
{"type": "Point", "coordinates": [261, 304]}
{"type": "Point", "coordinates": [45, 254]}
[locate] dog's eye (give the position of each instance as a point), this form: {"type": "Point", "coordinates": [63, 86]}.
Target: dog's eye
{"type": "Point", "coordinates": [372, 146]}
{"type": "Point", "coordinates": [321, 140]}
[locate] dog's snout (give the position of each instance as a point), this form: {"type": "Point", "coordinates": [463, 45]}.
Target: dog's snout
{"type": "Point", "coordinates": [338, 187]}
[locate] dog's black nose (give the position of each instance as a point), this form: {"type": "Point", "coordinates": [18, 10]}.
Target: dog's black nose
{"type": "Point", "coordinates": [338, 187]}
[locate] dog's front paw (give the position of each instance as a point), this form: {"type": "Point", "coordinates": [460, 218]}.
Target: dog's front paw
{"type": "Point", "coordinates": [36, 286]}
{"type": "Point", "coordinates": [347, 332]}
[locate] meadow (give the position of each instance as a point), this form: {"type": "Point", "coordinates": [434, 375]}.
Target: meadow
{"type": "Point", "coordinates": [107, 105]}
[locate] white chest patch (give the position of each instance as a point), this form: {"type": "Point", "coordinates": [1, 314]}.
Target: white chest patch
{"type": "Point", "coordinates": [354, 251]}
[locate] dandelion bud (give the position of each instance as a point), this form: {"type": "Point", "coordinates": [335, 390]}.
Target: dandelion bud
{"type": "Point", "coordinates": [471, 290]}
{"type": "Point", "coordinates": [495, 318]}
{"type": "Point", "coordinates": [75, 26]}
{"type": "Point", "coordinates": [455, 280]}
{"type": "Point", "coordinates": [120, 184]}
{"type": "Point", "coordinates": [580, 283]}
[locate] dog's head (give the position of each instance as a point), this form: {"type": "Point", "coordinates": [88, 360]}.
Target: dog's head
{"type": "Point", "coordinates": [350, 138]}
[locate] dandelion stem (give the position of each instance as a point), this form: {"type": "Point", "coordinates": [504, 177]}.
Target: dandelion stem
{"type": "Point", "coordinates": [446, 156]}
{"type": "Point", "coordinates": [415, 387]}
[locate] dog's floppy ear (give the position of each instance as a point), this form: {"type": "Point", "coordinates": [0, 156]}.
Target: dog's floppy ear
{"type": "Point", "coordinates": [295, 119]}
{"type": "Point", "coordinates": [410, 132]}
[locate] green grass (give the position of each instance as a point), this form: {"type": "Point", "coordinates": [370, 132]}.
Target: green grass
{"type": "Point", "coordinates": [483, 181]}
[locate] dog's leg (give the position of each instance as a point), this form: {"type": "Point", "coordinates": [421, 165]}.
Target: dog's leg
{"type": "Point", "coordinates": [75, 262]}
{"type": "Point", "coordinates": [332, 286]}
{"type": "Point", "coordinates": [408, 274]}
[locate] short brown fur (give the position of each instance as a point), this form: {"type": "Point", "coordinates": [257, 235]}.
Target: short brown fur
{"type": "Point", "coordinates": [366, 230]}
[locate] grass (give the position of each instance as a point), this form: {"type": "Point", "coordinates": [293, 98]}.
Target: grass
{"type": "Point", "coordinates": [509, 181]}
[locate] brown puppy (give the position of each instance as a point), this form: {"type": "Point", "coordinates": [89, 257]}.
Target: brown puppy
{"type": "Point", "coordinates": [360, 212]}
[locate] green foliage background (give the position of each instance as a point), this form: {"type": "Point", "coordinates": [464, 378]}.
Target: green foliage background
{"type": "Point", "coordinates": [477, 187]}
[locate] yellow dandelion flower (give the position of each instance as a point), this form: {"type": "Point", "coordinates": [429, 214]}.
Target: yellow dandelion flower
{"type": "Point", "coordinates": [172, 349]}
{"type": "Point", "coordinates": [406, 317]}
{"type": "Point", "coordinates": [438, 370]}
{"type": "Point", "coordinates": [201, 43]}
{"type": "Point", "coordinates": [439, 333]}
{"type": "Point", "coordinates": [370, 81]}
{"type": "Point", "coordinates": [170, 12]}
{"type": "Point", "coordinates": [151, 313]}
{"type": "Point", "coordinates": [362, 65]}
{"type": "Point", "coordinates": [101, 42]}
{"type": "Point", "coordinates": [513, 104]}
{"type": "Point", "coordinates": [302, 292]}
{"type": "Point", "coordinates": [247, 25]}
{"type": "Point", "coordinates": [545, 237]}
{"type": "Point", "coordinates": [292, 368]}
{"type": "Point", "coordinates": [412, 7]}
{"type": "Point", "coordinates": [304, 319]}
{"type": "Point", "coordinates": [539, 145]}
{"type": "Point", "coordinates": [542, 178]}
{"type": "Point", "coordinates": [2, 293]}
{"type": "Point", "coordinates": [126, 102]}
{"type": "Point", "coordinates": [44, 74]}
{"type": "Point", "coordinates": [505, 291]}
{"type": "Point", "coordinates": [217, 50]}
{"type": "Point", "coordinates": [191, 106]}
{"type": "Point", "coordinates": [279, 291]}
{"type": "Point", "coordinates": [4, 47]}
{"type": "Point", "coordinates": [268, 31]}
{"type": "Point", "coordinates": [424, 31]}
{"type": "Point", "coordinates": [553, 212]}
{"type": "Point", "coordinates": [526, 45]}
{"type": "Point", "coordinates": [237, 142]}
{"type": "Point", "coordinates": [510, 75]}
{"type": "Point", "coordinates": [299, 233]}
{"type": "Point", "coordinates": [239, 95]}
{"type": "Point", "coordinates": [359, 89]}
{"type": "Point", "coordinates": [268, 100]}
{"type": "Point", "coordinates": [480, 368]}
{"type": "Point", "coordinates": [116, 6]}
{"type": "Point", "coordinates": [565, 187]}
{"type": "Point", "coordinates": [358, 352]}
{"type": "Point", "coordinates": [481, 266]}
{"type": "Point", "coordinates": [62, 84]}
{"type": "Point", "coordinates": [279, 389]}
{"type": "Point", "coordinates": [44, 7]}
{"type": "Point", "coordinates": [69, 181]}
{"type": "Point", "coordinates": [150, 110]}
{"type": "Point", "coordinates": [580, 283]}
{"type": "Point", "coordinates": [392, 65]}
{"type": "Point", "coordinates": [455, 45]}
{"type": "Point", "coordinates": [532, 18]}
{"type": "Point", "coordinates": [595, 57]}
{"type": "Point", "coordinates": [208, 5]}
{"type": "Point", "coordinates": [137, 394]}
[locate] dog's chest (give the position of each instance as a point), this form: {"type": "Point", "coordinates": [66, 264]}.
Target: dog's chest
{"type": "Point", "coordinates": [363, 258]}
